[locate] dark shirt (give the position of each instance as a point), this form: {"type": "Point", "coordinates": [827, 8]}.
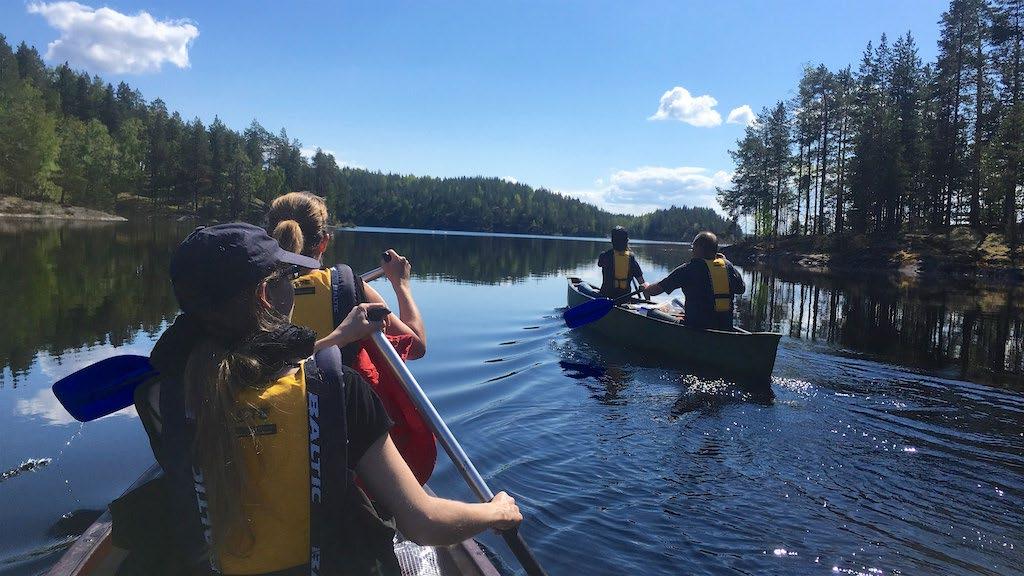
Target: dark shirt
{"type": "Point", "coordinates": [367, 419]}
{"type": "Point", "coordinates": [695, 281]}
{"type": "Point", "coordinates": [606, 261]}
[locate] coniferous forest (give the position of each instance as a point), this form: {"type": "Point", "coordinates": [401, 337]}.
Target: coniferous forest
{"type": "Point", "coordinates": [74, 139]}
{"type": "Point", "coordinates": [892, 144]}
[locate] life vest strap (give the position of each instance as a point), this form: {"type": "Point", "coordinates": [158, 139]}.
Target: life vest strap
{"type": "Point", "coordinates": [344, 297]}
{"type": "Point", "coordinates": [328, 453]}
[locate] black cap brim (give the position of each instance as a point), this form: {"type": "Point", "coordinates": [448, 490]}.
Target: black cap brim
{"type": "Point", "coordinates": [287, 257]}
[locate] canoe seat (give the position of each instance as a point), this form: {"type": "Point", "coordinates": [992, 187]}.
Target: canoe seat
{"type": "Point", "coordinates": [588, 290]}
{"type": "Point", "coordinates": [663, 316]}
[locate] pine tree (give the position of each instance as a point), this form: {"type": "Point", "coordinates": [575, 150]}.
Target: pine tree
{"type": "Point", "coordinates": [9, 74]}
{"type": "Point", "coordinates": [1008, 45]}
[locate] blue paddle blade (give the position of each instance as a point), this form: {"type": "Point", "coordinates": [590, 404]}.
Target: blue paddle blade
{"type": "Point", "coordinates": [104, 387]}
{"type": "Point", "coordinates": [588, 312]}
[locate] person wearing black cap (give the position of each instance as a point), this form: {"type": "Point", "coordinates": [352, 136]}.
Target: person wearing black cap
{"type": "Point", "coordinates": [619, 267]}
{"type": "Point", "coordinates": [262, 429]}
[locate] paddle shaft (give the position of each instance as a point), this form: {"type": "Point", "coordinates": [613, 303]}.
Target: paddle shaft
{"type": "Point", "coordinates": [376, 272]}
{"type": "Point", "coordinates": [454, 449]}
{"type": "Point", "coordinates": [625, 297]}
{"type": "Point", "coordinates": [373, 274]}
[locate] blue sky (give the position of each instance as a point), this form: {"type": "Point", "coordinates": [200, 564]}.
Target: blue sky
{"type": "Point", "coordinates": [564, 95]}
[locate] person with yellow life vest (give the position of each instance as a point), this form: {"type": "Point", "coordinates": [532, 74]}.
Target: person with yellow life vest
{"type": "Point", "coordinates": [324, 297]}
{"type": "Point", "coordinates": [262, 429]}
{"type": "Point", "coordinates": [619, 267]}
{"type": "Point", "coordinates": [708, 282]}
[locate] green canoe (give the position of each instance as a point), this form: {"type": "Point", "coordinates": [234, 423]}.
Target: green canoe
{"type": "Point", "coordinates": [740, 355]}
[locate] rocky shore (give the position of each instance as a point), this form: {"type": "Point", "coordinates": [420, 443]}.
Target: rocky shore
{"type": "Point", "coordinates": [960, 253]}
{"type": "Point", "coordinates": [11, 207]}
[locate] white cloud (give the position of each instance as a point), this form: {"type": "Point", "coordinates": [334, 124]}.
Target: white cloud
{"type": "Point", "coordinates": [510, 180]}
{"type": "Point", "coordinates": [649, 188]}
{"type": "Point", "coordinates": [309, 151]}
{"type": "Point", "coordinates": [678, 104]}
{"type": "Point", "coordinates": [742, 115]}
{"type": "Point", "coordinates": [106, 40]}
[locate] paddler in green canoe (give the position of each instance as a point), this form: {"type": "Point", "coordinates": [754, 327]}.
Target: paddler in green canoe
{"type": "Point", "coordinates": [708, 281]}
{"type": "Point", "coordinates": [619, 268]}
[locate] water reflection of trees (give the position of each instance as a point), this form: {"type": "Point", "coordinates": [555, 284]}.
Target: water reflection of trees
{"type": "Point", "coordinates": [969, 332]}
{"type": "Point", "coordinates": [68, 286]}
{"type": "Point", "coordinates": [472, 259]}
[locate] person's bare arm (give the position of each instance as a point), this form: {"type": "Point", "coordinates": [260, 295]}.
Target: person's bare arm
{"type": "Point", "coordinates": [408, 321]}
{"type": "Point", "coordinates": [356, 326]}
{"type": "Point", "coordinates": [425, 519]}
{"type": "Point", "coordinates": [397, 324]}
{"type": "Point", "coordinates": [653, 289]}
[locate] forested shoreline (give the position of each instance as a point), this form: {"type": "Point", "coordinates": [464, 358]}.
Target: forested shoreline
{"type": "Point", "coordinates": [77, 140]}
{"type": "Point", "coordinates": [896, 146]}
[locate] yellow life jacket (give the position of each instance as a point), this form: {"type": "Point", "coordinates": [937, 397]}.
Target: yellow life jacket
{"type": "Point", "coordinates": [622, 268]}
{"type": "Point", "coordinates": [313, 306]}
{"type": "Point", "coordinates": [276, 499]}
{"type": "Point", "coordinates": [719, 274]}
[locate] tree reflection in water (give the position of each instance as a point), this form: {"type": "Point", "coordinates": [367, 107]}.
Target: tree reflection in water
{"type": "Point", "coordinates": [70, 285]}
{"type": "Point", "coordinates": [967, 331]}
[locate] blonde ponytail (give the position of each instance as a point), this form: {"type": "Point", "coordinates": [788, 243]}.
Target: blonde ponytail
{"type": "Point", "coordinates": [288, 234]}
{"type": "Point", "coordinates": [299, 222]}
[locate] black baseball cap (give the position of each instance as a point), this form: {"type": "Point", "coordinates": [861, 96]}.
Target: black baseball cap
{"type": "Point", "coordinates": [216, 262]}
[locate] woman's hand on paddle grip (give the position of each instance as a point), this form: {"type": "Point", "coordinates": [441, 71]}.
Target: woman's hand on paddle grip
{"type": "Point", "coordinates": [397, 269]}
{"type": "Point", "coordinates": [357, 325]}
{"type": "Point", "coordinates": [507, 514]}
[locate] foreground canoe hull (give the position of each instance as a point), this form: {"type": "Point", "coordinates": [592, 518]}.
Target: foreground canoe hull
{"type": "Point", "coordinates": [93, 554]}
{"type": "Point", "coordinates": [744, 356]}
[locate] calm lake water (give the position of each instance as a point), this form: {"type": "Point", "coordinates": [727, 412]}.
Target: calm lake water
{"type": "Point", "coordinates": [892, 441]}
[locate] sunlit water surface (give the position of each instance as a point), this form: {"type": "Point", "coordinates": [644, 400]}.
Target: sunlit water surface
{"type": "Point", "coordinates": [872, 453]}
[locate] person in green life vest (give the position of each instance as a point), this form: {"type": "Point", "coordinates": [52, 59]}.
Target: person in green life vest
{"type": "Point", "coordinates": [619, 267]}
{"type": "Point", "coordinates": [708, 282]}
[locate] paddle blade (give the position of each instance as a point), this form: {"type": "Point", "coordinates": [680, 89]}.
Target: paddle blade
{"type": "Point", "coordinates": [102, 388]}
{"type": "Point", "coordinates": [589, 311]}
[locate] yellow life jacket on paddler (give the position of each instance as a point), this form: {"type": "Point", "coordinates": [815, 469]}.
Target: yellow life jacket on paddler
{"type": "Point", "coordinates": [300, 500]}
{"type": "Point", "coordinates": [719, 274]}
{"type": "Point", "coordinates": [322, 300]}
{"type": "Point", "coordinates": [276, 499]}
{"type": "Point", "coordinates": [313, 306]}
{"type": "Point", "coordinates": [622, 267]}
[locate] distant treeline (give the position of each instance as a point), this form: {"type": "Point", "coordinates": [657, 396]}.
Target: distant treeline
{"type": "Point", "coordinates": [77, 140]}
{"type": "Point", "coordinates": [896, 145]}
